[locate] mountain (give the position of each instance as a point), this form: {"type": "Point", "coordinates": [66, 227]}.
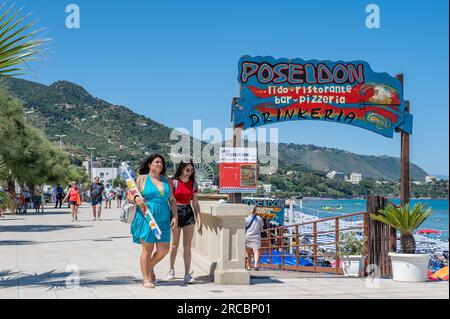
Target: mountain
{"type": "Point", "coordinates": [328, 159]}
{"type": "Point", "coordinates": [67, 108]}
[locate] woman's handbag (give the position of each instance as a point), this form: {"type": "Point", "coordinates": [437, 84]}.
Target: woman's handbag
{"type": "Point", "coordinates": [78, 203]}
{"type": "Point", "coordinates": [128, 210]}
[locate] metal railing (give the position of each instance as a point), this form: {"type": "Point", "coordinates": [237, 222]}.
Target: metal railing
{"type": "Point", "coordinates": [307, 246]}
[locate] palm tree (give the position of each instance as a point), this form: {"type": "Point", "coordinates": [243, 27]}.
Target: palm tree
{"type": "Point", "coordinates": [19, 43]}
{"type": "Point", "coordinates": [6, 199]}
{"type": "Point", "coordinates": [405, 221]}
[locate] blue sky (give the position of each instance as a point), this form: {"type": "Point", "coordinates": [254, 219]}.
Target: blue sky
{"type": "Point", "coordinates": [175, 61]}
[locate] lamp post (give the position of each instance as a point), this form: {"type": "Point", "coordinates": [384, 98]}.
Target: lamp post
{"type": "Point", "coordinates": [112, 160]}
{"type": "Point", "coordinates": [112, 157]}
{"type": "Point", "coordinates": [60, 139]}
{"type": "Point", "coordinates": [92, 159]}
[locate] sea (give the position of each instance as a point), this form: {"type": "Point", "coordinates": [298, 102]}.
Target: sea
{"type": "Point", "coordinates": [439, 220]}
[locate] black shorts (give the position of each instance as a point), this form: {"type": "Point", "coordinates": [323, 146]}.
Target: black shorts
{"type": "Point", "coordinates": [185, 215]}
{"type": "Point", "coordinates": [72, 203]}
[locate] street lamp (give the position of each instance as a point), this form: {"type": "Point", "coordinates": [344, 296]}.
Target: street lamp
{"type": "Point", "coordinates": [112, 159]}
{"type": "Point", "coordinates": [92, 159]}
{"type": "Point", "coordinates": [60, 139]}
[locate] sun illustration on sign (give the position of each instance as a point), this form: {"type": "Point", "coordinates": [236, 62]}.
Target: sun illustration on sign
{"type": "Point", "coordinates": [380, 121]}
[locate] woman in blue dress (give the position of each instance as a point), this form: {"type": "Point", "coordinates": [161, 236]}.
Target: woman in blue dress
{"type": "Point", "coordinates": [158, 197]}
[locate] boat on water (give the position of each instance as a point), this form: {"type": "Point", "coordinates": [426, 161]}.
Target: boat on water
{"type": "Point", "coordinates": [326, 207]}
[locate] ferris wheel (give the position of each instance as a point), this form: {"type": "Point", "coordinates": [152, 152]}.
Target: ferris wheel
{"type": "Point", "coordinates": [203, 173]}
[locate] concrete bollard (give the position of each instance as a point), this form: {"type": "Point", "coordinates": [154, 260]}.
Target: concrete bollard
{"type": "Point", "coordinates": [220, 251]}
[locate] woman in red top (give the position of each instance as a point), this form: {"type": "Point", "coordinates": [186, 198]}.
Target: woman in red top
{"type": "Point", "coordinates": [73, 195]}
{"type": "Point", "coordinates": [185, 192]}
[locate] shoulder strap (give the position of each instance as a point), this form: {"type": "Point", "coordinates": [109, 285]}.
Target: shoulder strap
{"type": "Point", "coordinates": [194, 186]}
{"type": "Point", "coordinates": [175, 184]}
{"type": "Point", "coordinates": [251, 222]}
{"type": "Point", "coordinates": [143, 179]}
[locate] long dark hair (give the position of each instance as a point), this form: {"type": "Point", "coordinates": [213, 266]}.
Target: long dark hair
{"type": "Point", "coordinates": [144, 168]}
{"type": "Point", "coordinates": [182, 166]}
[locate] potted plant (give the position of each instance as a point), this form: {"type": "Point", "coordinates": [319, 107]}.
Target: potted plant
{"type": "Point", "coordinates": [352, 251]}
{"type": "Point", "coordinates": [406, 265]}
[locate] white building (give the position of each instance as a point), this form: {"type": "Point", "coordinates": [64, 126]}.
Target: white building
{"type": "Point", "coordinates": [267, 188]}
{"type": "Point", "coordinates": [355, 178]}
{"type": "Point", "coordinates": [106, 174]}
{"type": "Point", "coordinates": [87, 166]}
{"type": "Point", "coordinates": [336, 175]}
{"type": "Point", "coordinates": [429, 178]}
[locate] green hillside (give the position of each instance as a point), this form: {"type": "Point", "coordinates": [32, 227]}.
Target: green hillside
{"type": "Point", "coordinates": [114, 130]}
{"type": "Point", "coordinates": [329, 159]}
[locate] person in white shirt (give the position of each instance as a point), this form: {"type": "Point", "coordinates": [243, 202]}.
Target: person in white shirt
{"type": "Point", "coordinates": [253, 226]}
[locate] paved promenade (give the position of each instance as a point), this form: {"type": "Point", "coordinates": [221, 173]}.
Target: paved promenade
{"type": "Point", "coordinates": [40, 255]}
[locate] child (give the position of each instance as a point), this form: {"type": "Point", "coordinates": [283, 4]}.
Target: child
{"type": "Point", "coordinates": [37, 202]}
{"type": "Point", "coordinates": [23, 205]}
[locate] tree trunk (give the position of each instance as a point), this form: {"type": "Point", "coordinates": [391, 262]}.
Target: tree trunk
{"type": "Point", "coordinates": [11, 187]}
{"type": "Point", "coordinates": [408, 244]}
{"type": "Point", "coordinates": [32, 190]}
{"type": "Point", "coordinates": [12, 191]}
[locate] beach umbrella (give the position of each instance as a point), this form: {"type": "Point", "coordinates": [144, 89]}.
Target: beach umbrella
{"type": "Point", "coordinates": [441, 274]}
{"type": "Point", "coordinates": [429, 231]}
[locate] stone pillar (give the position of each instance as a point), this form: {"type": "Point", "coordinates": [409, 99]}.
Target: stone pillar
{"type": "Point", "coordinates": [220, 251]}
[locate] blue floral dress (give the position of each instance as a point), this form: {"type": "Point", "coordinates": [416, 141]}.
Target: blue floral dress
{"type": "Point", "coordinates": [158, 203]}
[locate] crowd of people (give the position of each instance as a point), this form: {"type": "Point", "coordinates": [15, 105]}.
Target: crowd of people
{"type": "Point", "coordinates": [25, 199]}
{"type": "Point", "coordinates": [36, 199]}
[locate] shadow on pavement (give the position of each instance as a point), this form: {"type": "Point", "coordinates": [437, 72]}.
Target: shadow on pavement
{"type": "Point", "coordinates": [32, 213]}
{"type": "Point", "coordinates": [263, 280]}
{"type": "Point", "coordinates": [16, 242]}
{"type": "Point", "coordinates": [26, 242]}
{"type": "Point", "coordinates": [37, 228]}
{"type": "Point", "coordinates": [58, 279]}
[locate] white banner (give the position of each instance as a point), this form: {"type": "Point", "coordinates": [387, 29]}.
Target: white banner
{"type": "Point", "coordinates": [238, 155]}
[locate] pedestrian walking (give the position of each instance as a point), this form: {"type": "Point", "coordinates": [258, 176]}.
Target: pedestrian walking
{"type": "Point", "coordinates": [109, 195]}
{"type": "Point", "coordinates": [119, 195]}
{"type": "Point", "coordinates": [73, 195]}
{"type": "Point", "coordinates": [253, 226]}
{"type": "Point", "coordinates": [185, 191]}
{"type": "Point", "coordinates": [59, 195]}
{"type": "Point", "coordinates": [157, 192]}
{"type": "Point", "coordinates": [97, 191]}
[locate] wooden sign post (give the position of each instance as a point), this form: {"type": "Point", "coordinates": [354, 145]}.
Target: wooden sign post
{"type": "Point", "coordinates": [404, 159]}
{"type": "Point", "coordinates": [236, 198]}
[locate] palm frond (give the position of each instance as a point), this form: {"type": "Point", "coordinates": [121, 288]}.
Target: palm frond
{"type": "Point", "coordinates": [19, 42]}
{"type": "Point", "coordinates": [403, 219]}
